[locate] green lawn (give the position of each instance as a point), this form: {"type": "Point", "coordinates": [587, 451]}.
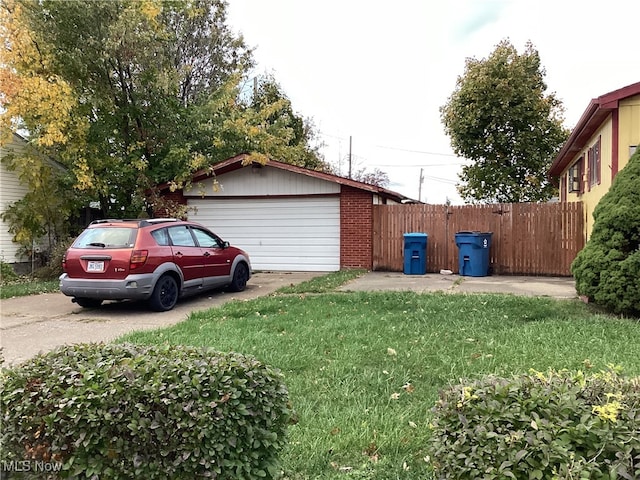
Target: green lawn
{"type": "Point", "coordinates": [363, 369]}
{"type": "Point", "coordinates": [23, 287]}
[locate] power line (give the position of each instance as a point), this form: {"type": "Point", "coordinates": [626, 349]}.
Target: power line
{"type": "Point", "coordinates": [417, 151]}
{"type": "Point", "coordinates": [442, 180]}
{"type": "Point", "coordinates": [332, 136]}
{"type": "Point", "coordinates": [350, 157]}
{"type": "Point", "coordinates": [418, 165]}
{"type": "Point", "coordinates": [387, 147]}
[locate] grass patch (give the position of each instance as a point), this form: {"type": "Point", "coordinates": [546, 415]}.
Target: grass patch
{"type": "Point", "coordinates": [27, 286]}
{"type": "Point", "coordinates": [364, 369]}
{"type": "Point", "coordinates": [323, 283]}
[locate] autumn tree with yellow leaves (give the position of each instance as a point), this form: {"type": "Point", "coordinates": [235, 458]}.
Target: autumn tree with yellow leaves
{"type": "Point", "coordinates": [128, 94]}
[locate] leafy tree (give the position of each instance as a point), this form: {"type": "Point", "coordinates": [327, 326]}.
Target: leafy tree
{"type": "Point", "coordinates": [302, 148]}
{"type": "Point", "coordinates": [263, 125]}
{"type": "Point", "coordinates": [39, 218]}
{"type": "Point", "coordinates": [607, 269]}
{"type": "Point", "coordinates": [131, 93]}
{"type": "Point", "coordinates": [124, 83]}
{"type": "Point", "coordinates": [500, 118]}
{"type": "Point", "coordinates": [372, 177]}
{"type": "Point", "coordinates": [29, 79]}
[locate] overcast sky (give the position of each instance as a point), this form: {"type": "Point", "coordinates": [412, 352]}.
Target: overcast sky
{"type": "Point", "coordinates": [379, 71]}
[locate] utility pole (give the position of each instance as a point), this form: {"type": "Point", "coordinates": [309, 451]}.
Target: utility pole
{"type": "Point", "coordinates": [349, 156]}
{"type": "Point", "coordinates": [420, 185]}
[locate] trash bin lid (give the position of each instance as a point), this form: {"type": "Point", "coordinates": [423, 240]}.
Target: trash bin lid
{"type": "Point", "coordinates": [416, 235]}
{"type": "Point", "coordinates": [474, 233]}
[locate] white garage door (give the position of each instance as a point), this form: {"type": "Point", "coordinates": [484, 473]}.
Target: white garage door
{"type": "Point", "coordinates": [283, 234]}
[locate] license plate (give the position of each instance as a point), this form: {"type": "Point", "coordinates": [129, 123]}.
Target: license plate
{"type": "Point", "coordinates": [95, 266]}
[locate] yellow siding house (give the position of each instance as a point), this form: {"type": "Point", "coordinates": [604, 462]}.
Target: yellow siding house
{"type": "Point", "coordinates": [599, 146]}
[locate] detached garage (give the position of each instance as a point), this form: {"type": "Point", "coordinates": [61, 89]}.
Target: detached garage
{"type": "Point", "coordinates": [286, 217]}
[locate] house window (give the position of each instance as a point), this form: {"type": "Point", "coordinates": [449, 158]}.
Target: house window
{"type": "Point", "coordinates": [632, 150]}
{"type": "Point", "coordinates": [575, 176]}
{"type": "Point", "coordinates": [594, 164]}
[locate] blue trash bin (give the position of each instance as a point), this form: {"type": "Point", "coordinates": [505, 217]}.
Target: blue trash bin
{"type": "Point", "coordinates": [415, 253]}
{"type": "Point", "coordinates": [473, 255]}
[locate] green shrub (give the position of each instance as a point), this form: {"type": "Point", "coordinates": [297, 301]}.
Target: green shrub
{"type": "Point", "coordinates": [7, 274]}
{"type": "Point", "coordinates": [53, 268]}
{"type": "Point", "coordinates": [607, 270]}
{"type": "Point", "coordinates": [558, 425]}
{"type": "Point", "coordinates": [127, 411]}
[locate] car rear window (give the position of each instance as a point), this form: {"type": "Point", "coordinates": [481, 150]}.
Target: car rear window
{"type": "Point", "coordinates": [107, 237]}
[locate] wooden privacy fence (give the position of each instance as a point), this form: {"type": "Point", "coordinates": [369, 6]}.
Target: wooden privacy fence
{"type": "Point", "coordinates": [528, 238]}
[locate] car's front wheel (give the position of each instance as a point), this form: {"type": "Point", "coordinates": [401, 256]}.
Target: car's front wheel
{"type": "Point", "coordinates": [240, 278]}
{"type": "Point", "coordinates": [87, 302]}
{"type": "Point", "coordinates": [165, 294]}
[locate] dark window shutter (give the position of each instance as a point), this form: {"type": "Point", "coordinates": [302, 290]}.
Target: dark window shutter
{"type": "Point", "coordinates": [589, 163]}
{"type": "Point", "coordinates": [598, 154]}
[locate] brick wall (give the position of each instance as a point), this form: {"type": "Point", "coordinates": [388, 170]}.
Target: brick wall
{"type": "Point", "coordinates": [356, 228]}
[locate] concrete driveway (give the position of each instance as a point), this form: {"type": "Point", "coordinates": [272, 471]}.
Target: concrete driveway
{"type": "Point", "coordinates": [555, 287]}
{"type": "Point", "coordinates": [40, 323]}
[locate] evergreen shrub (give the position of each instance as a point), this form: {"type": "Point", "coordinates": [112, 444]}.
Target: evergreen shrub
{"type": "Point", "coordinates": [607, 269]}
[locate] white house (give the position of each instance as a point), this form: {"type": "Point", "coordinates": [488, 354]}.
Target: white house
{"type": "Point", "coordinates": [11, 190]}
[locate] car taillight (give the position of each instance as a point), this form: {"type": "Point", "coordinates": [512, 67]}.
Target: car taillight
{"type": "Point", "coordinates": [64, 262]}
{"type": "Point", "coordinates": [138, 258]}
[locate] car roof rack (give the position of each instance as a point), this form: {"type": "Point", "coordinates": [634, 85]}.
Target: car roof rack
{"type": "Point", "coordinates": [161, 220]}
{"type": "Point", "coordinates": [141, 222]}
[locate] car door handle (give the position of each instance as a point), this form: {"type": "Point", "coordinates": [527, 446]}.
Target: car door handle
{"type": "Point", "coordinates": [207, 254]}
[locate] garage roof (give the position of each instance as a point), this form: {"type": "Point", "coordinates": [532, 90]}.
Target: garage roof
{"type": "Point", "coordinates": [244, 159]}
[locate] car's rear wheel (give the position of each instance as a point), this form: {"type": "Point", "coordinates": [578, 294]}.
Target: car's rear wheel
{"type": "Point", "coordinates": [165, 294]}
{"type": "Point", "coordinates": [240, 278]}
{"type": "Point", "coordinates": [88, 302]}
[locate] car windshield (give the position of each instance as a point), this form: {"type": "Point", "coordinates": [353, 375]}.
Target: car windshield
{"type": "Point", "coordinates": [106, 237]}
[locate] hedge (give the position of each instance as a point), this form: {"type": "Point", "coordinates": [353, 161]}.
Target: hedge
{"type": "Point", "coordinates": [558, 425]}
{"type": "Point", "coordinates": [129, 411]}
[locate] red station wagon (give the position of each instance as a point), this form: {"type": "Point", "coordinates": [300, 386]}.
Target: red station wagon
{"type": "Point", "coordinates": [157, 260]}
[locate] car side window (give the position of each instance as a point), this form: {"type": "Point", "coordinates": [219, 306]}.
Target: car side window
{"type": "Point", "coordinates": [206, 239]}
{"type": "Point", "coordinates": [181, 236]}
{"type": "Point", "coordinates": [161, 237]}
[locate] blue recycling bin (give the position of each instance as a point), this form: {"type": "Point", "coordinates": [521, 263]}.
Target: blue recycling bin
{"type": "Point", "coordinates": [415, 253]}
{"type": "Point", "coordinates": [473, 255]}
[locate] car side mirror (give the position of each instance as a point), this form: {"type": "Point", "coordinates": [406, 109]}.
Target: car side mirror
{"type": "Point", "coordinates": [225, 244]}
